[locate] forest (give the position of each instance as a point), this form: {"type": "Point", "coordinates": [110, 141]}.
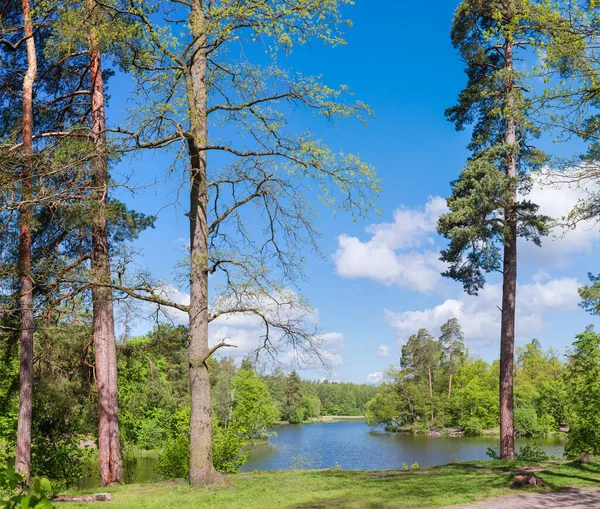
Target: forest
{"type": "Point", "coordinates": [221, 112]}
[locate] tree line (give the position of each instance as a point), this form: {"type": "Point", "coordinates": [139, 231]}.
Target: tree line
{"type": "Point", "coordinates": [449, 390]}
{"type": "Point", "coordinates": [208, 81]}
{"type": "Point", "coordinates": [247, 400]}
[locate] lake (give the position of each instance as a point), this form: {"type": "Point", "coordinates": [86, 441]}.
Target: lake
{"type": "Point", "coordinates": [352, 445]}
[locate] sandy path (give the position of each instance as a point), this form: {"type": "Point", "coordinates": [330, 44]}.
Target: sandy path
{"type": "Point", "coordinates": [584, 498]}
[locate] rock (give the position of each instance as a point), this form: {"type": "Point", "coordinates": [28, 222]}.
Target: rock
{"type": "Point", "coordinates": [586, 458]}
{"type": "Point", "coordinates": [526, 480]}
{"type": "Point", "coordinates": [102, 497]}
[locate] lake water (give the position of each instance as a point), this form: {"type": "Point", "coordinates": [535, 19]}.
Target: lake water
{"type": "Point", "coordinates": [352, 445]}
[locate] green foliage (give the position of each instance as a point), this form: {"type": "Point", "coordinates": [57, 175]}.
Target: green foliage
{"type": "Point", "coordinates": [253, 407]}
{"type": "Point", "coordinates": [583, 387]}
{"type": "Point", "coordinates": [473, 427]}
{"type": "Point", "coordinates": [493, 454]}
{"type": "Point", "coordinates": [527, 423]}
{"type": "Point", "coordinates": [174, 460]}
{"type": "Point", "coordinates": [14, 496]}
{"type": "Point", "coordinates": [227, 446]}
{"type": "Point", "coordinates": [485, 210]}
{"type": "Point", "coordinates": [60, 459]}
{"type": "Point", "coordinates": [403, 399]}
{"type": "Point", "coordinates": [532, 453]}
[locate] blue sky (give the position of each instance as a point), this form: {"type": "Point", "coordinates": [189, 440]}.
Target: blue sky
{"type": "Point", "coordinates": [380, 281]}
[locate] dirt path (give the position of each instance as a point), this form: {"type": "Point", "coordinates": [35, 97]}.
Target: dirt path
{"type": "Point", "coordinates": [585, 498]}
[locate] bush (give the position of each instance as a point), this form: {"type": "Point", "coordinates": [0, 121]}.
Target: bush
{"type": "Point", "coordinates": [532, 453]}
{"type": "Point", "coordinates": [492, 454]}
{"type": "Point", "coordinates": [527, 423]}
{"type": "Point", "coordinates": [227, 446]}
{"type": "Point", "coordinates": [174, 460]}
{"type": "Point", "coordinates": [582, 440]}
{"type": "Point", "coordinates": [59, 459]}
{"type": "Point", "coordinates": [11, 484]}
{"type": "Point", "coordinates": [473, 427]}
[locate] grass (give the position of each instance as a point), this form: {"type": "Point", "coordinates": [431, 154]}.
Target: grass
{"type": "Point", "coordinates": [324, 489]}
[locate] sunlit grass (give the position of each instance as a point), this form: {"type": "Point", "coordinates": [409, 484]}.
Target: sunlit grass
{"type": "Point", "coordinates": [436, 487]}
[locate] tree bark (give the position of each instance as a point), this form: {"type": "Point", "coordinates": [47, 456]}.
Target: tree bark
{"type": "Point", "coordinates": [202, 471]}
{"type": "Point", "coordinates": [23, 452]}
{"type": "Point", "coordinates": [451, 365]}
{"type": "Point", "coordinates": [109, 448]}
{"type": "Point", "coordinates": [430, 388]}
{"type": "Point", "coordinates": [509, 284]}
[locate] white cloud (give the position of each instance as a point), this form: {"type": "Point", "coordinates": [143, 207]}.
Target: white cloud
{"type": "Point", "coordinates": [556, 197]}
{"type": "Point", "coordinates": [480, 315]}
{"type": "Point", "coordinates": [375, 378]}
{"type": "Point", "coordinates": [175, 295]}
{"type": "Point", "coordinates": [396, 253]}
{"type": "Point", "coordinates": [383, 351]}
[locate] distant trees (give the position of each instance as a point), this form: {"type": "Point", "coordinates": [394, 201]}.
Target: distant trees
{"type": "Point", "coordinates": [408, 394]}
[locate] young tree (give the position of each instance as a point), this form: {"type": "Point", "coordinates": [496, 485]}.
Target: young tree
{"type": "Point", "coordinates": [253, 408]}
{"type": "Point", "coordinates": [487, 216]}
{"type": "Point", "coordinates": [212, 99]}
{"type": "Point", "coordinates": [451, 342]}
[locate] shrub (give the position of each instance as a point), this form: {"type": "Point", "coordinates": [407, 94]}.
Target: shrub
{"type": "Point", "coordinates": [532, 453]}
{"type": "Point", "coordinates": [227, 446]}
{"type": "Point", "coordinates": [492, 453]}
{"type": "Point", "coordinates": [11, 483]}
{"type": "Point", "coordinates": [59, 459]}
{"type": "Point", "coordinates": [473, 427]}
{"type": "Point", "coordinates": [174, 460]}
{"type": "Point", "coordinates": [527, 423]}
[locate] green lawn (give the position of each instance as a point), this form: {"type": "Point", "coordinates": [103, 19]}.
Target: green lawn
{"type": "Point", "coordinates": [323, 489]}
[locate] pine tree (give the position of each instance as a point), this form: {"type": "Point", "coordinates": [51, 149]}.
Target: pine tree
{"type": "Point", "coordinates": [451, 342]}
{"type": "Point", "coordinates": [487, 215]}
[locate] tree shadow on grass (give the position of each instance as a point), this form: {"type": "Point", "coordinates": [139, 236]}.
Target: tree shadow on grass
{"type": "Point", "coordinates": [592, 477]}
{"type": "Point", "coordinates": [397, 489]}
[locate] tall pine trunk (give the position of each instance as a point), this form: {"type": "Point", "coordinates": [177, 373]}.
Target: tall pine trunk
{"type": "Point", "coordinates": [509, 284]}
{"type": "Point", "coordinates": [23, 452]}
{"type": "Point", "coordinates": [109, 449]}
{"type": "Point", "coordinates": [202, 471]}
